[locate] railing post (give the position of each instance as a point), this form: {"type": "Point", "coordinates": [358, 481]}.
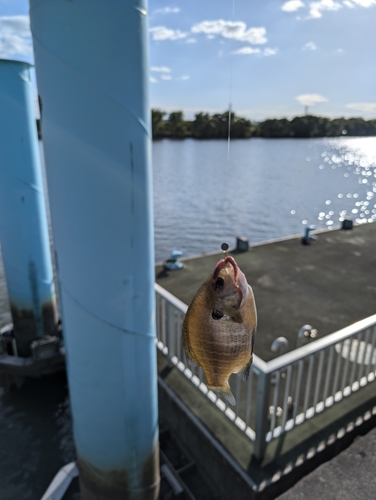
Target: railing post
{"type": "Point", "coordinates": [169, 332]}
{"type": "Point", "coordinates": [262, 411]}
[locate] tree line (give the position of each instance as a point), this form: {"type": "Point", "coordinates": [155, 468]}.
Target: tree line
{"type": "Point", "coordinates": [206, 126]}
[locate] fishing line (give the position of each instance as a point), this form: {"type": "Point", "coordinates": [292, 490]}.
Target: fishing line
{"type": "Point", "coordinates": [227, 167]}
{"type": "Point", "coordinates": [230, 99]}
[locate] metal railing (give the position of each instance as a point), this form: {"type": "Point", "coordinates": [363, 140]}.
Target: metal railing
{"type": "Point", "coordinates": [288, 390]}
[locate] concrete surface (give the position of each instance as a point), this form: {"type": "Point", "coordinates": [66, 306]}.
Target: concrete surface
{"type": "Point", "coordinates": [351, 475]}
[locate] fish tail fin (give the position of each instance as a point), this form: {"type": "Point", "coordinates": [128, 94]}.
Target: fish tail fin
{"type": "Point", "coordinates": [226, 393]}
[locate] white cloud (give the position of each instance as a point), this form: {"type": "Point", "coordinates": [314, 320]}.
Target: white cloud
{"type": "Point", "coordinates": [168, 10]}
{"type": "Point", "coordinates": [164, 73]}
{"type": "Point", "coordinates": [15, 36]}
{"type": "Point", "coordinates": [310, 99]}
{"type": "Point", "coordinates": [364, 107]}
{"type": "Point", "coordinates": [160, 69]}
{"type": "Point", "coordinates": [292, 5]}
{"type": "Point", "coordinates": [231, 29]}
{"type": "Point", "coordinates": [246, 51]}
{"type": "Point", "coordinates": [236, 30]}
{"type": "Point", "coordinates": [160, 33]}
{"type": "Point", "coordinates": [364, 3]}
{"type": "Point", "coordinates": [19, 25]}
{"type": "Point", "coordinates": [309, 46]}
{"type": "Point", "coordinates": [250, 50]}
{"type": "Point", "coordinates": [316, 8]}
{"type": "Point", "coordinates": [269, 52]}
{"type": "Point", "coordinates": [185, 77]}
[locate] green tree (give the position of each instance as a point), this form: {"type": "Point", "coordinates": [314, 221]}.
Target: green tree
{"type": "Point", "coordinates": [157, 123]}
{"type": "Point", "coordinates": [241, 128]}
{"type": "Point", "coordinates": [217, 126]}
{"type": "Point", "coordinates": [176, 126]}
{"type": "Point", "coordinates": [274, 128]}
{"type": "Point", "coordinates": [203, 126]}
{"type": "Point", "coordinates": [308, 126]}
{"type": "Point", "coordinates": [221, 124]}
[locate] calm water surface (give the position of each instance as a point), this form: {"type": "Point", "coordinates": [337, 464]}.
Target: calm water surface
{"type": "Point", "coordinates": [268, 189]}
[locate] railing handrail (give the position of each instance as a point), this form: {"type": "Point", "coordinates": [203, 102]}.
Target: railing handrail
{"type": "Point", "coordinates": [318, 345]}
{"type": "Point", "coordinates": [170, 313]}
{"type": "Point", "coordinates": [179, 304]}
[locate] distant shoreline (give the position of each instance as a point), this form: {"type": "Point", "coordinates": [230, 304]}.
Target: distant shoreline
{"type": "Point", "coordinates": [216, 126]}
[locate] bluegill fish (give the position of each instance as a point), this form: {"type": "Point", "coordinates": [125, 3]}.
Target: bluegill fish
{"type": "Point", "coordinates": [220, 325]}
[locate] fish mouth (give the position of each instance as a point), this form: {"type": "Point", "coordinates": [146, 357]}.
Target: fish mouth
{"type": "Point", "coordinates": [218, 268]}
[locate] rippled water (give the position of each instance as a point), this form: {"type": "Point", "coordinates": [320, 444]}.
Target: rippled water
{"type": "Point", "coordinates": [269, 188]}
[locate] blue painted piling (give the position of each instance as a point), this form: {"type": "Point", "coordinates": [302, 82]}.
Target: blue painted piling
{"type": "Point", "coordinates": [92, 71]}
{"type": "Point", "coordinates": [23, 221]}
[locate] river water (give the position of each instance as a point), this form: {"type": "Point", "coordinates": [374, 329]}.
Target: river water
{"type": "Point", "coordinates": [264, 189]}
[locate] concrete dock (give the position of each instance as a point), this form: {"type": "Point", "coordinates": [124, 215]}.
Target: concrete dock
{"type": "Point", "coordinates": [329, 284]}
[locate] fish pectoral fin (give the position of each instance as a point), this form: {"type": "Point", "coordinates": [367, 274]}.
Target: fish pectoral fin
{"type": "Point", "coordinates": [243, 373]}
{"type": "Point", "coordinates": [232, 313]}
{"type": "Point", "coordinates": [236, 316]}
{"type": "Point", "coordinates": [226, 393]}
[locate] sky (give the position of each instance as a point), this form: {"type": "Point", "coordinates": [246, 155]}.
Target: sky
{"type": "Point", "coordinates": [268, 58]}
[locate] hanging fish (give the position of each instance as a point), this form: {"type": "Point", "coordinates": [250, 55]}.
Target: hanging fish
{"type": "Point", "coordinates": [220, 325]}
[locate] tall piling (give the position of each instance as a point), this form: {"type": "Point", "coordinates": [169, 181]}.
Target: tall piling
{"type": "Point", "coordinates": [92, 72]}
{"type": "Point", "coordinates": [23, 220]}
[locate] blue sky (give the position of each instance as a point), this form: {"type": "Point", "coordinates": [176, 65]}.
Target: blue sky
{"type": "Point", "coordinates": [282, 55]}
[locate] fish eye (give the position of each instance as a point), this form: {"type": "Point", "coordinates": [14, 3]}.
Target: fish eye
{"type": "Point", "coordinates": [217, 314]}
{"type": "Point", "coordinates": [219, 283]}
